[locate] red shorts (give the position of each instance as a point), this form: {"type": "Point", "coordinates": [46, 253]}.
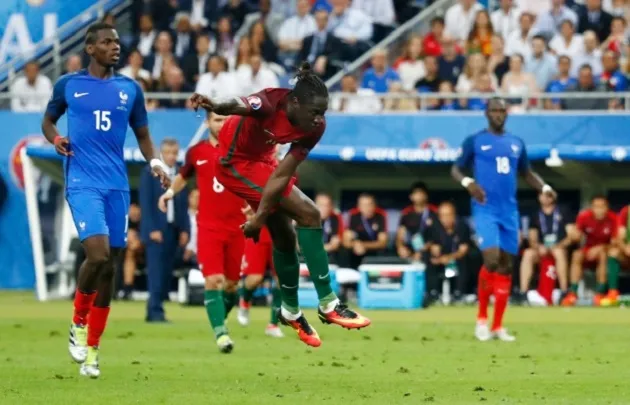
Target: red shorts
{"type": "Point", "coordinates": [247, 179]}
{"type": "Point", "coordinates": [588, 264]}
{"type": "Point", "coordinates": [257, 258]}
{"type": "Point", "coordinates": [220, 253]}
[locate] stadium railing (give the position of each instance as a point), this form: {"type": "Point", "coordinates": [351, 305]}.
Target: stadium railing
{"type": "Point", "coordinates": [68, 39]}
{"type": "Point", "coordinates": [530, 102]}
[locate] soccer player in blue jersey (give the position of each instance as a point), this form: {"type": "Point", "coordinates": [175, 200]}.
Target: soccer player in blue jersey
{"type": "Point", "coordinates": [496, 157]}
{"type": "Point", "coordinates": [99, 106]}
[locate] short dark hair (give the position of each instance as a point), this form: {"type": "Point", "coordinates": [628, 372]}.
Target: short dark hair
{"type": "Point", "coordinates": [367, 195]}
{"type": "Point", "coordinates": [586, 66]}
{"type": "Point", "coordinates": [90, 36]}
{"type": "Point", "coordinates": [419, 186]}
{"type": "Point", "coordinates": [540, 37]}
{"type": "Point", "coordinates": [567, 57]}
{"type": "Point", "coordinates": [324, 194]}
{"type": "Point", "coordinates": [618, 18]}
{"type": "Point", "coordinates": [437, 20]}
{"type": "Point", "coordinates": [450, 203]}
{"type": "Point", "coordinates": [308, 84]}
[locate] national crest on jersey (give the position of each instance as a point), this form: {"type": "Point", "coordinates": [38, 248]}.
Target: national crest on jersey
{"type": "Point", "coordinates": [99, 112]}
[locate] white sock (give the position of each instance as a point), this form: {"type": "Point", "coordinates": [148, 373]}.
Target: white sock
{"type": "Point", "coordinates": [330, 306]}
{"type": "Point", "coordinates": [288, 315]}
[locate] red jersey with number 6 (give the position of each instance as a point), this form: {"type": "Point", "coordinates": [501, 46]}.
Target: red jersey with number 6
{"type": "Point", "coordinates": [219, 209]}
{"type": "Point", "coordinates": [254, 137]}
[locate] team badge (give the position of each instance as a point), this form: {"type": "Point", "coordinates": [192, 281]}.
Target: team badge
{"type": "Point", "coordinates": [254, 102]}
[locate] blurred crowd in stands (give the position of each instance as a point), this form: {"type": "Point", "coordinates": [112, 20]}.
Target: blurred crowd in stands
{"type": "Point", "coordinates": [234, 47]}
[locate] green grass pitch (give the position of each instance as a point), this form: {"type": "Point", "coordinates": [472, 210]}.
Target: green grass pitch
{"type": "Point", "coordinates": [574, 356]}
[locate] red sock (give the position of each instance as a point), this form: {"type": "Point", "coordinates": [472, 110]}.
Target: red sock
{"type": "Point", "coordinates": [82, 304]}
{"type": "Point", "coordinates": [502, 287]}
{"type": "Point", "coordinates": [484, 291]}
{"type": "Point", "coordinates": [96, 325]}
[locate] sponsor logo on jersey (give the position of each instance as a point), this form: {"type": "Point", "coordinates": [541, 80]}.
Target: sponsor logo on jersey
{"type": "Point", "coordinates": [254, 102]}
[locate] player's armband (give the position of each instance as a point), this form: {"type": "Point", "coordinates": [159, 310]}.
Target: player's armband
{"type": "Point", "coordinates": [467, 181]}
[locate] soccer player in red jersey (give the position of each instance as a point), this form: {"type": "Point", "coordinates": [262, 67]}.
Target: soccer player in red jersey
{"type": "Point", "coordinates": [220, 242]}
{"type": "Point", "coordinates": [248, 168]}
{"type": "Point", "coordinates": [257, 259]}
{"type": "Point", "coordinates": [598, 224]}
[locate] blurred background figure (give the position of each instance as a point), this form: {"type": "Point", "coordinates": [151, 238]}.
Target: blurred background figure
{"type": "Point", "coordinates": [30, 93]}
{"type": "Point", "coordinates": [162, 233]}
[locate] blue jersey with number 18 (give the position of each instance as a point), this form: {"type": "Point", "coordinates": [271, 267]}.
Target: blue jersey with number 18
{"type": "Point", "coordinates": [98, 113]}
{"type": "Point", "coordinates": [496, 161]}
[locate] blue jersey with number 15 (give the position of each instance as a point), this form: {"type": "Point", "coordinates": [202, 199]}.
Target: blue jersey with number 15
{"type": "Point", "coordinates": [496, 161]}
{"type": "Point", "coordinates": [98, 111]}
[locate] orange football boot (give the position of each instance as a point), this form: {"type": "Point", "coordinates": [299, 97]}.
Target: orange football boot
{"type": "Point", "coordinates": [344, 317]}
{"type": "Point", "coordinates": [597, 300]}
{"type": "Point", "coordinates": [305, 332]}
{"type": "Point", "coordinates": [570, 300]}
{"type": "Point", "coordinates": [611, 299]}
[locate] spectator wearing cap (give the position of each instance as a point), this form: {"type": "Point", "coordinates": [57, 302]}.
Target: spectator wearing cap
{"type": "Point", "coordinates": [185, 37]}
{"type": "Point", "coordinates": [451, 63]}
{"type": "Point", "coordinates": [567, 42]}
{"type": "Point", "coordinates": [505, 19]}
{"type": "Point", "coordinates": [519, 41]}
{"type": "Point", "coordinates": [591, 56]}
{"type": "Point", "coordinates": [550, 21]}
{"type": "Point", "coordinates": [541, 64]}
{"type": "Point", "coordinates": [459, 18]}
{"type": "Point", "coordinates": [379, 76]}
{"type": "Point", "coordinates": [592, 17]}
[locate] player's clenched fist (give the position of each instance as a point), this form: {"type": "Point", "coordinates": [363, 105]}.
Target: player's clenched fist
{"type": "Point", "coordinates": [62, 146]}
{"type": "Point", "coordinates": [477, 192]}
{"type": "Point", "coordinates": [251, 228]}
{"type": "Point", "coordinates": [197, 100]}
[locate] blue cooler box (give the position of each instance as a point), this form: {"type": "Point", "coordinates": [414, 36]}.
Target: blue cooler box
{"type": "Point", "coordinates": [395, 286]}
{"type": "Point", "coordinates": [306, 293]}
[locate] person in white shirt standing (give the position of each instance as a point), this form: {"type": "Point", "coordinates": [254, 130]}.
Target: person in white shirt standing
{"type": "Point", "coordinates": [591, 56]}
{"type": "Point", "coordinates": [30, 93]}
{"type": "Point", "coordinates": [293, 31]}
{"type": "Point", "coordinates": [256, 76]}
{"type": "Point", "coordinates": [505, 19]}
{"type": "Point", "coordinates": [459, 18]}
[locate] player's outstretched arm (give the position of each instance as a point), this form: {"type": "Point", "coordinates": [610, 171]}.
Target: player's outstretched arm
{"type": "Point", "coordinates": [234, 106]}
